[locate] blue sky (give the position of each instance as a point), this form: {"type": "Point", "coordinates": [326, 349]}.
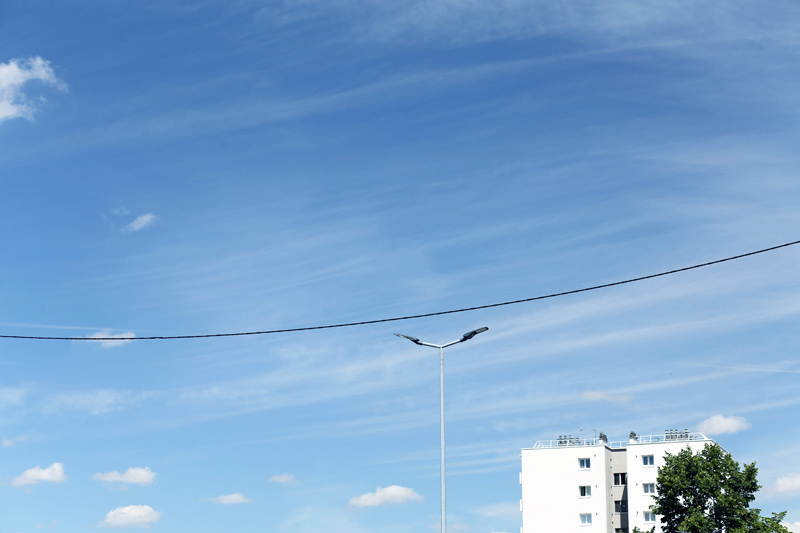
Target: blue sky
{"type": "Point", "coordinates": [175, 168]}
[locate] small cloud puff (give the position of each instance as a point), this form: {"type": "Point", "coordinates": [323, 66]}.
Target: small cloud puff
{"type": "Point", "coordinates": [229, 499]}
{"type": "Point", "coordinates": [382, 496]}
{"type": "Point", "coordinates": [719, 424]}
{"type": "Point", "coordinates": [53, 473]}
{"type": "Point", "coordinates": [141, 222]}
{"type": "Point", "coordinates": [135, 475]}
{"type": "Point", "coordinates": [600, 396]}
{"type": "Point", "coordinates": [110, 338]}
{"type": "Point", "coordinates": [788, 483]}
{"type": "Point", "coordinates": [131, 515]}
{"type": "Point", "coordinates": [284, 479]}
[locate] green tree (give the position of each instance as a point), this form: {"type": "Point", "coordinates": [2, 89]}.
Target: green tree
{"type": "Point", "coordinates": [708, 492]}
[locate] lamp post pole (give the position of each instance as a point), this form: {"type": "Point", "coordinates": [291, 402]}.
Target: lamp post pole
{"type": "Point", "coordinates": [467, 336]}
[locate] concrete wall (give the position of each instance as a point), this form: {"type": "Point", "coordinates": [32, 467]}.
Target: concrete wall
{"type": "Point", "coordinates": [551, 478]}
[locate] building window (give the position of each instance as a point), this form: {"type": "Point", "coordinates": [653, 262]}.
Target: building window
{"type": "Point", "coordinates": [586, 519]}
{"type": "Point", "coordinates": [649, 517]}
{"type": "Point", "coordinates": [647, 460]}
{"type": "Point", "coordinates": [621, 506]}
{"type": "Point", "coordinates": [649, 488]}
{"type": "Point", "coordinates": [620, 478]}
{"type": "Point", "coordinates": [585, 463]}
{"type": "Point", "coordinates": [585, 490]}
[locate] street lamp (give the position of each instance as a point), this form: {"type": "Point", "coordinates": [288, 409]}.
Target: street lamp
{"type": "Point", "coordinates": [465, 337]}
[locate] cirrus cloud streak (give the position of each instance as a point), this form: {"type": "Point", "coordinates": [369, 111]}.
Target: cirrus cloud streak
{"type": "Point", "coordinates": [600, 396]}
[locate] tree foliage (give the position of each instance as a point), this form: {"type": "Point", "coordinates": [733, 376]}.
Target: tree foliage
{"type": "Point", "coordinates": [708, 492]}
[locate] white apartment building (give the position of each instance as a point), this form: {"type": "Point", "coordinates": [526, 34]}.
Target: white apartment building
{"type": "Point", "coordinates": [592, 485]}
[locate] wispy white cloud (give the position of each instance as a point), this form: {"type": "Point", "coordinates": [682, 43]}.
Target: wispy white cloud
{"type": "Point", "coordinates": [335, 377]}
{"type": "Point", "coordinates": [504, 509]}
{"type": "Point", "coordinates": [398, 370]}
{"type": "Point", "coordinates": [229, 499]}
{"type": "Point", "coordinates": [134, 475]}
{"type": "Point", "coordinates": [131, 515]}
{"type": "Point", "coordinates": [284, 479]}
{"type": "Point", "coordinates": [457, 20]}
{"type": "Point", "coordinates": [125, 338]}
{"type": "Point", "coordinates": [386, 495]}
{"type": "Point", "coordinates": [141, 222]}
{"type": "Point", "coordinates": [43, 326]}
{"type": "Point", "coordinates": [310, 380]}
{"type": "Point", "coordinates": [53, 474]}
{"type": "Point", "coordinates": [600, 396]}
{"type": "Point", "coordinates": [94, 402]}
{"type": "Point", "coordinates": [7, 443]}
{"type": "Point", "coordinates": [14, 75]}
{"type": "Point", "coordinates": [720, 424]}
{"type": "Point", "coordinates": [788, 483]}
{"type": "Point", "coordinates": [12, 396]}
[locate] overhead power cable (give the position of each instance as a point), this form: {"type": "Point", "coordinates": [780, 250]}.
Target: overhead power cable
{"type": "Point", "coordinates": [409, 317]}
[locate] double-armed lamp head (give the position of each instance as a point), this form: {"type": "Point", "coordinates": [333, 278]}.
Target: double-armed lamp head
{"type": "Point", "coordinates": [465, 337]}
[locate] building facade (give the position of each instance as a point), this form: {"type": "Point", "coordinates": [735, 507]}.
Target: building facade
{"type": "Point", "coordinates": [584, 485]}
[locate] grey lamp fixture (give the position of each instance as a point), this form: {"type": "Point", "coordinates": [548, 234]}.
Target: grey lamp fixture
{"type": "Point", "coordinates": [412, 339]}
{"type": "Point", "coordinates": [468, 335]}
{"type": "Point", "coordinates": [465, 337]}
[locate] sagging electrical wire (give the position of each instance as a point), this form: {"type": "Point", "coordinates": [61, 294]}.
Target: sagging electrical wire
{"type": "Point", "coordinates": [409, 317]}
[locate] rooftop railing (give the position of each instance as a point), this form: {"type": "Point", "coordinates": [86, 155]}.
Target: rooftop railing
{"type": "Point", "coordinates": [569, 441]}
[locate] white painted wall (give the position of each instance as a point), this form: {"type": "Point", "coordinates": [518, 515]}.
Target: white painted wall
{"type": "Point", "coordinates": [550, 496]}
